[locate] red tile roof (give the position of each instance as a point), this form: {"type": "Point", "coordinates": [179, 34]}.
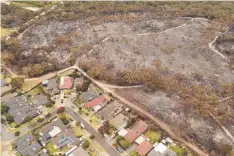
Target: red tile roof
{"type": "Point", "coordinates": [95, 102]}
{"type": "Point", "coordinates": [66, 82]}
{"type": "Point", "coordinates": [138, 128]}
{"type": "Point", "coordinates": [144, 148]}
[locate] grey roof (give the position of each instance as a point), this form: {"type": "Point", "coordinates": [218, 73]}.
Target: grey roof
{"type": "Point", "coordinates": [65, 138]}
{"type": "Point", "coordinates": [28, 145]}
{"type": "Point", "coordinates": [53, 123]}
{"type": "Point", "coordinates": [19, 109]}
{"type": "Point", "coordinates": [168, 152]}
{"type": "Point", "coordinates": [110, 110]}
{"type": "Point", "coordinates": [40, 100]}
{"type": "Point", "coordinates": [89, 95]}
{"type": "Point", "coordinates": [52, 85]}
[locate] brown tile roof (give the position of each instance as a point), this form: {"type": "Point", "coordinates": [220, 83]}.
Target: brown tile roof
{"type": "Point", "coordinates": [95, 102]}
{"type": "Point", "coordinates": [138, 128]}
{"type": "Point", "coordinates": [144, 148]}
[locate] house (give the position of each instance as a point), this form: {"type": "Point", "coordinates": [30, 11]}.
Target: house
{"type": "Point", "coordinates": [110, 110]}
{"type": "Point", "coordinates": [65, 138]}
{"type": "Point", "coordinates": [40, 100]}
{"type": "Point", "coordinates": [138, 128]}
{"type": "Point", "coordinates": [78, 152]}
{"type": "Point", "coordinates": [78, 82]}
{"type": "Point", "coordinates": [119, 121]}
{"type": "Point", "coordinates": [52, 86]}
{"type": "Point", "coordinates": [88, 96]}
{"type": "Point", "coordinates": [161, 150]}
{"type": "Point", "coordinates": [28, 145]}
{"type": "Point", "coordinates": [95, 102]}
{"type": "Point", "coordinates": [144, 148]}
{"type": "Point", "coordinates": [52, 129]}
{"type": "Point", "coordinates": [20, 109]}
{"type": "Point", "coordinates": [66, 82]}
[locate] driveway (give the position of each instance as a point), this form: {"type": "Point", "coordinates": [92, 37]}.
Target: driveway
{"type": "Point", "coordinates": [98, 137]}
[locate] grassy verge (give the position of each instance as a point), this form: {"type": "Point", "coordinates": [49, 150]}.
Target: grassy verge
{"type": "Point", "coordinates": [79, 131]}
{"type": "Point", "coordinates": [153, 135]}
{"type": "Point", "coordinates": [34, 91]}
{"type": "Point", "coordinates": [28, 85]}
{"type": "Point", "coordinates": [67, 72]}
{"type": "Point", "coordinates": [96, 148]}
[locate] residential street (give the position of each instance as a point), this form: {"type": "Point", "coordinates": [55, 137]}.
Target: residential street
{"type": "Point", "coordinates": [98, 137]}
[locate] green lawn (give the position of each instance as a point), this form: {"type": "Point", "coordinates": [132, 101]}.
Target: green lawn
{"type": "Point", "coordinates": [97, 149]}
{"type": "Point", "coordinates": [153, 135]}
{"type": "Point", "coordinates": [134, 153]}
{"type": "Point", "coordinates": [5, 31]}
{"type": "Point", "coordinates": [179, 150]}
{"type": "Point", "coordinates": [67, 72]}
{"type": "Point", "coordinates": [28, 85]}
{"type": "Point", "coordinates": [34, 91]}
{"type": "Point", "coordinates": [51, 149]}
{"type": "Point", "coordinates": [95, 121]}
{"type": "Point", "coordinates": [79, 131]}
{"type": "Point", "coordinates": [21, 4]}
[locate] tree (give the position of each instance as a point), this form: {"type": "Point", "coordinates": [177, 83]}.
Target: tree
{"type": "Point", "coordinates": [48, 115]}
{"type": "Point", "coordinates": [4, 108]}
{"type": "Point", "coordinates": [40, 120]}
{"type": "Point", "coordinates": [17, 82]}
{"type": "Point", "coordinates": [2, 120]}
{"type": "Point", "coordinates": [92, 137]}
{"type": "Point", "coordinates": [86, 144]}
{"type": "Point", "coordinates": [17, 133]}
{"type": "Point", "coordinates": [60, 110]}
{"type": "Point", "coordinates": [78, 123]}
{"type": "Point", "coordinates": [9, 118]}
{"type": "Point", "coordinates": [27, 119]}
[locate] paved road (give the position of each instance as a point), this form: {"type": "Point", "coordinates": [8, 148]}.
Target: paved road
{"type": "Point", "coordinates": [98, 137]}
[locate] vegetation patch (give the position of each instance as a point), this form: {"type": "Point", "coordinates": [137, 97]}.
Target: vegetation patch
{"type": "Point", "coordinates": [122, 142]}
{"type": "Point", "coordinates": [5, 31]}
{"type": "Point", "coordinates": [154, 136]}
{"type": "Point", "coordinates": [179, 150]}
{"type": "Point", "coordinates": [52, 150]}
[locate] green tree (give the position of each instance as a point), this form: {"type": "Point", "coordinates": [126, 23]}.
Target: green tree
{"type": "Point", "coordinates": [17, 133]}
{"type": "Point", "coordinates": [17, 82]}
{"type": "Point", "coordinates": [4, 108]}
{"type": "Point", "coordinates": [86, 144]}
{"type": "Point", "coordinates": [9, 118]}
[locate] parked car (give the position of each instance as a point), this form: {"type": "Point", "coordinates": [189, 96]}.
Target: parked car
{"type": "Point", "coordinates": [82, 125]}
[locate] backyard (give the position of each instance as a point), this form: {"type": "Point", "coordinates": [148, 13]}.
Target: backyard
{"type": "Point", "coordinates": [51, 149]}
{"type": "Point", "coordinates": [179, 150]}
{"type": "Point", "coordinates": [154, 136]}
{"type": "Point", "coordinates": [29, 84]}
